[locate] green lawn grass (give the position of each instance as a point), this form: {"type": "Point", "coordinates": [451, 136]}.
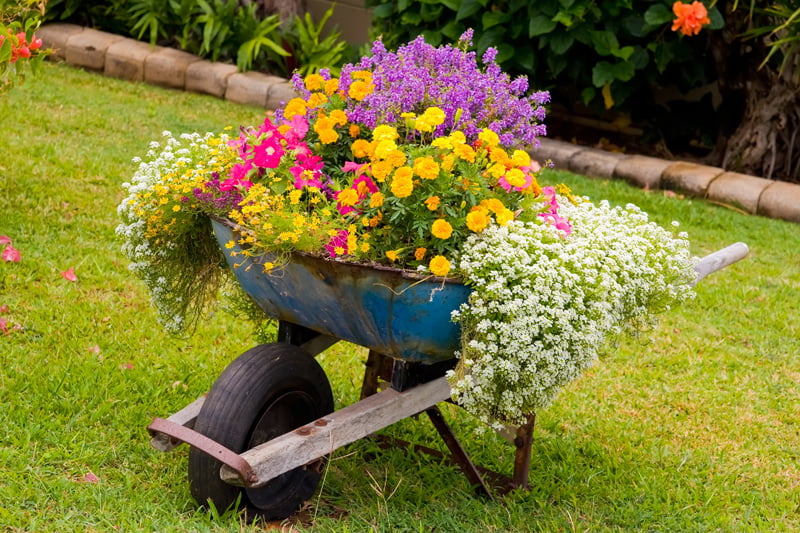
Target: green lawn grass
{"type": "Point", "coordinates": [694, 427]}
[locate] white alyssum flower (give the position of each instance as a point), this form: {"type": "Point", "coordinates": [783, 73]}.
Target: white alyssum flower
{"type": "Point", "coordinates": [544, 304]}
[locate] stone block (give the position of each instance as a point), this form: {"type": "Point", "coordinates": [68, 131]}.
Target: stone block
{"type": "Point", "coordinates": [780, 200]}
{"type": "Point", "coordinates": [55, 35]}
{"type": "Point", "coordinates": [167, 67]}
{"type": "Point", "coordinates": [641, 171]}
{"type": "Point", "coordinates": [595, 163]}
{"type": "Point", "coordinates": [279, 93]}
{"type": "Point", "coordinates": [87, 49]}
{"type": "Point", "coordinates": [690, 178]}
{"type": "Point", "coordinates": [559, 152]}
{"type": "Point", "coordinates": [738, 189]}
{"type": "Point", "coordinates": [250, 88]}
{"type": "Point", "coordinates": [209, 78]}
{"type": "Point", "coordinates": [125, 59]}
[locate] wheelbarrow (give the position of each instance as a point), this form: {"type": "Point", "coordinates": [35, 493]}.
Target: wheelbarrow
{"type": "Point", "coordinates": [260, 437]}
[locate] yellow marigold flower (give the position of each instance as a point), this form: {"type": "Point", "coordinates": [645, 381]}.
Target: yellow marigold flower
{"type": "Point", "coordinates": [339, 117]}
{"type": "Point", "coordinates": [176, 208]}
{"type": "Point", "coordinates": [448, 162]}
{"type": "Point", "coordinates": [365, 75]}
{"type": "Point", "coordinates": [331, 86]}
{"type": "Point", "coordinates": [230, 244]}
{"type": "Point", "coordinates": [404, 172]}
{"type": "Point", "coordinates": [498, 155]}
{"type": "Point", "coordinates": [294, 196]}
{"type": "Point", "coordinates": [419, 253]}
{"type": "Point", "coordinates": [348, 197]}
{"type": "Point", "coordinates": [504, 217]}
{"type": "Point", "coordinates": [327, 136]}
{"type": "Point", "coordinates": [497, 170]}
{"type": "Point", "coordinates": [493, 204]}
{"type": "Point", "coordinates": [458, 137]}
{"type": "Point", "coordinates": [384, 133]}
{"type": "Point", "coordinates": [376, 200]}
{"type": "Point", "coordinates": [360, 89]}
{"type": "Point", "coordinates": [488, 137]}
{"type": "Point", "coordinates": [392, 255]}
{"type": "Point", "coordinates": [295, 106]}
{"type": "Point", "coordinates": [515, 177]}
{"type": "Point", "coordinates": [381, 170]}
{"type": "Point", "coordinates": [441, 229]}
{"type": "Point", "coordinates": [465, 152]}
{"type": "Point", "coordinates": [354, 130]}
{"type": "Point", "coordinates": [477, 220]}
{"type": "Point", "coordinates": [432, 203]}
{"type": "Point", "coordinates": [314, 82]}
{"type": "Point", "coordinates": [442, 142]}
{"type": "Point", "coordinates": [521, 158]}
{"type": "Point", "coordinates": [402, 185]}
{"type": "Point", "coordinates": [396, 158]}
{"type": "Point", "coordinates": [426, 168]}
{"type": "Point", "coordinates": [316, 100]}
{"type": "Point", "coordinates": [383, 148]}
{"type": "Point", "coordinates": [299, 221]}
{"type": "Point", "coordinates": [362, 148]}
{"type": "Point", "coordinates": [435, 115]}
{"type": "Point", "coordinates": [439, 266]}
{"type": "Point", "coordinates": [374, 221]}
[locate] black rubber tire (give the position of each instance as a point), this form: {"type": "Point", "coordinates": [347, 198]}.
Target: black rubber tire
{"type": "Point", "coordinates": [267, 391]}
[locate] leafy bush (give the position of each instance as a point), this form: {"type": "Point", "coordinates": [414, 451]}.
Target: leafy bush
{"type": "Point", "coordinates": [220, 30]}
{"type": "Point", "coordinates": [603, 54]}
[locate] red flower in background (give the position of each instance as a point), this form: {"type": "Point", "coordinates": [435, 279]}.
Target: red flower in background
{"type": "Point", "coordinates": [690, 17]}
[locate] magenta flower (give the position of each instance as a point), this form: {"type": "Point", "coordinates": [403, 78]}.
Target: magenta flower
{"type": "Point", "coordinates": [338, 244]}
{"type": "Point", "coordinates": [552, 215]}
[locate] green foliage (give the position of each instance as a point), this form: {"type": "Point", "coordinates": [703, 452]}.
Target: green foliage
{"type": "Point", "coordinates": [311, 51]}
{"type": "Point", "coordinates": [779, 25]}
{"type": "Point", "coordinates": [221, 30]}
{"type": "Point", "coordinates": [20, 50]}
{"type": "Point", "coordinates": [604, 54]}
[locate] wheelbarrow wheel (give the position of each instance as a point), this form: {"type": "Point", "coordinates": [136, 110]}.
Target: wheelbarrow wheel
{"type": "Point", "coordinates": [267, 391]}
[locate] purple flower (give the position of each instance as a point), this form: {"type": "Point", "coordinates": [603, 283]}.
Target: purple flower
{"type": "Point", "coordinates": [419, 75]}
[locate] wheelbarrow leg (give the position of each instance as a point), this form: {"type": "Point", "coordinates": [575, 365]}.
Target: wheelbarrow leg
{"type": "Point", "coordinates": [458, 454]}
{"type": "Point", "coordinates": [377, 368]}
{"type": "Point", "coordinates": [523, 442]}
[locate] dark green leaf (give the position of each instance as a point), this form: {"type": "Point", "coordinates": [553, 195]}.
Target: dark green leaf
{"type": "Point", "coordinates": [411, 18]}
{"type": "Point", "coordinates": [604, 42]}
{"type": "Point", "coordinates": [540, 25]}
{"type": "Point", "coordinates": [588, 94]}
{"type": "Point", "coordinates": [468, 8]}
{"type": "Point", "coordinates": [717, 20]}
{"type": "Point", "coordinates": [561, 42]}
{"type": "Point", "coordinates": [383, 11]}
{"type": "Point", "coordinates": [493, 18]}
{"type": "Point", "coordinates": [402, 5]}
{"type": "Point", "coordinates": [658, 14]}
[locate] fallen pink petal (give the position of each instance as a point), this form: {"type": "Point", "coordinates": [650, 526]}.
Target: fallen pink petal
{"type": "Point", "coordinates": [11, 254]}
{"type": "Point", "coordinates": [3, 325]}
{"type": "Point", "coordinates": [127, 366]}
{"type": "Point", "coordinates": [90, 478]}
{"type": "Point", "coordinates": [3, 309]}
{"type": "Point", "coordinates": [5, 239]}
{"type": "Point", "coordinates": [69, 274]}
{"type": "Point", "coordinates": [94, 349]}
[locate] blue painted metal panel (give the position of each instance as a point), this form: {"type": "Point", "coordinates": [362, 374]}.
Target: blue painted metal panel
{"type": "Point", "coordinates": [398, 313]}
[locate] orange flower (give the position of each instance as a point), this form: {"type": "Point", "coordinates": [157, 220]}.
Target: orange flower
{"type": "Point", "coordinates": [402, 186]}
{"type": "Point", "coordinates": [690, 17]}
{"type": "Point", "coordinates": [392, 255]}
{"type": "Point", "coordinates": [442, 229]}
{"type": "Point", "coordinates": [419, 253]}
{"type": "Point", "coordinates": [477, 220]}
{"type": "Point", "coordinates": [376, 200]}
{"type": "Point", "coordinates": [432, 203]}
{"type": "Point", "coordinates": [426, 168]}
{"type": "Point", "coordinates": [439, 266]}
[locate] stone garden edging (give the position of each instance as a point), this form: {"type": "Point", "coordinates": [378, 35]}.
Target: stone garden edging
{"type": "Point", "coordinates": [133, 60]}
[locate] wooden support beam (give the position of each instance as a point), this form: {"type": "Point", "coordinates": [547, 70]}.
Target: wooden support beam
{"type": "Point", "coordinates": [321, 437]}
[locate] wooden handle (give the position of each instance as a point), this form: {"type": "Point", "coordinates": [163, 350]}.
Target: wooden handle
{"type": "Point", "coordinates": [720, 259]}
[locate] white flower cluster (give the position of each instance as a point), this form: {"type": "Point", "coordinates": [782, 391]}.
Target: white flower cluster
{"type": "Point", "coordinates": [544, 304]}
{"type": "Point", "coordinates": [154, 185]}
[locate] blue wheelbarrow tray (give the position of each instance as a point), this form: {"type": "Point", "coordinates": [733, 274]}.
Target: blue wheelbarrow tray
{"type": "Point", "coordinates": [399, 313]}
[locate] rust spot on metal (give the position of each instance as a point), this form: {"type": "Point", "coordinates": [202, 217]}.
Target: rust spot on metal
{"type": "Point", "coordinates": [321, 422]}
{"type": "Point", "coordinates": [305, 430]}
